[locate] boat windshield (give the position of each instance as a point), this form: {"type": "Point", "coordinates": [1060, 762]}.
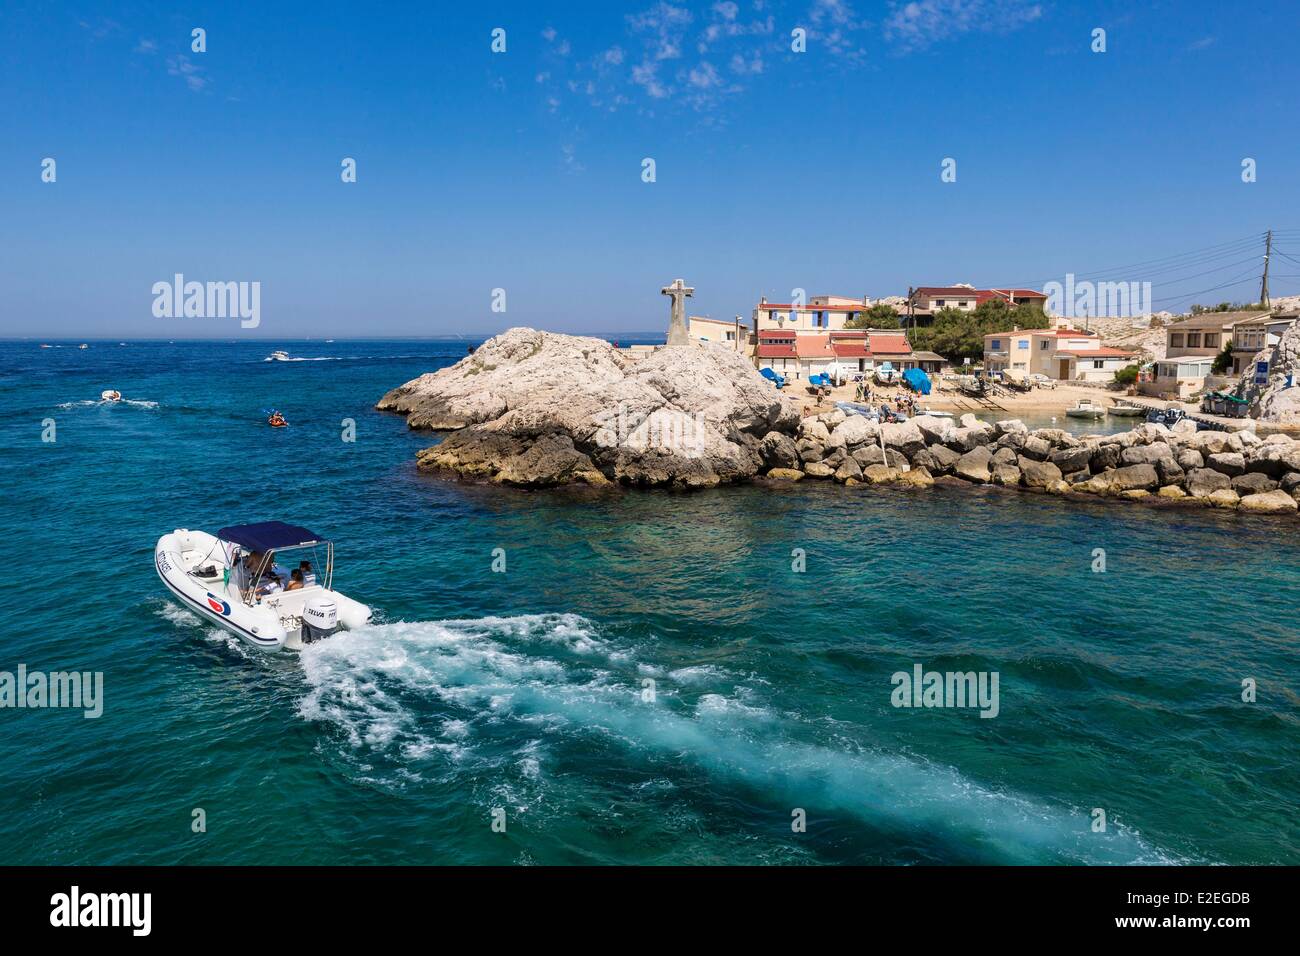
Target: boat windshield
{"type": "Point", "coordinates": [258, 574]}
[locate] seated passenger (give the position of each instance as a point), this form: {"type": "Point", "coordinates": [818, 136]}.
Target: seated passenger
{"type": "Point", "coordinates": [295, 580]}
{"type": "Point", "coordinates": [308, 575]}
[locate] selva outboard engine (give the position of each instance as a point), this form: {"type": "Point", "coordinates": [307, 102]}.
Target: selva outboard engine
{"type": "Point", "coordinates": [320, 618]}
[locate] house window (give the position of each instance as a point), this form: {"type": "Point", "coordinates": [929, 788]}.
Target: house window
{"type": "Point", "coordinates": [939, 303]}
{"type": "Point", "coordinates": [962, 304]}
{"type": "Point", "coordinates": [1042, 346]}
{"type": "Point", "coordinates": [1211, 340]}
{"type": "Point", "coordinates": [1175, 340]}
{"type": "Point", "coordinates": [731, 336]}
{"type": "Point", "coordinates": [1023, 344]}
{"type": "Point", "coordinates": [1098, 363]}
{"type": "Point", "coordinates": [995, 345]}
{"type": "Point", "coordinates": [1193, 340]}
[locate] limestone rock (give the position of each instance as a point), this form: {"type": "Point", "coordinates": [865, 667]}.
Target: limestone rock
{"type": "Point", "coordinates": [1189, 459]}
{"type": "Point", "coordinates": [1223, 498]}
{"type": "Point", "coordinates": [917, 478]}
{"type": "Point", "coordinates": [1230, 463]}
{"type": "Point", "coordinates": [850, 469]}
{"type": "Point", "coordinates": [816, 469]}
{"type": "Point", "coordinates": [1008, 476]}
{"type": "Point", "coordinates": [539, 408]}
{"type": "Point", "coordinates": [937, 459]}
{"type": "Point", "coordinates": [1253, 483]}
{"type": "Point", "coordinates": [1038, 474]}
{"type": "Point", "coordinates": [1036, 448]}
{"type": "Point", "coordinates": [785, 474]}
{"type": "Point", "coordinates": [1269, 502]}
{"type": "Point", "coordinates": [1071, 459]}
{"type": "Point", "coordinates": [1172, 491]}
{"type": "Point", "coordinates": [974, 465]}
{"type": "Point", "coordinates": [880, 475]}
{"type": "Point", "coordinates": [1202, 482]}
{"type": "Point", "coordinates": [1147, 454]}
{"type": "Point", "coordinates": [779, 451]}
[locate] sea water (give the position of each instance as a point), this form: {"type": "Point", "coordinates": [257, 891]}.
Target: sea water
{"type": "Point", "coordinates": [646, 677]}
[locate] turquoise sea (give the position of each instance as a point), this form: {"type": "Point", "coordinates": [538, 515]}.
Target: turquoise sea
{"type": "Point", "coordinates": [527, 690]}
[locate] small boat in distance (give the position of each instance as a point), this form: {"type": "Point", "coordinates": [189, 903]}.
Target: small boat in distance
{"type": "Point", "coordinates": [44, 346]}
{"type": "Point", "coordinates": [83, 345]}
{"type": "Point", "coordinates": [233, 579]}
{"type": "Point", "coordinates": [276, 420]}
{"type": "Point", "coordinates": [278, 356]}
{"type": "Point", "coordinates": [110, 395]}
{"type": "Point", "coordinates": [1086, 408]}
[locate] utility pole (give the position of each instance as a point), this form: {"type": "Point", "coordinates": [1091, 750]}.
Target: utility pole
{"type": "Point", "coordinates": [1268, 253]}
{"type": "Point", "coordinates": [911, 309]}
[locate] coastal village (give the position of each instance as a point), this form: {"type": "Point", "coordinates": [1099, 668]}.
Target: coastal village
{"type": "Point", "coordinates": [1161, 360]}
{"type": "Point", "coordinates": [533, 409]}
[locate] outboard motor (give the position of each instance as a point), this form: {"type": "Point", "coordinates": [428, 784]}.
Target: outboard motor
{"type": "Point", "coordinates": [320, 618]}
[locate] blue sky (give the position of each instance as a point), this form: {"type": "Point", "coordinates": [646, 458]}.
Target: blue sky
{"type": "Point", "coordinates": [522, 170]}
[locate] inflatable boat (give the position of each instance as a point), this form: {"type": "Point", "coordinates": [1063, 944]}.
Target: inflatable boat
{"type": "Point", "coordinates": [242, 580]}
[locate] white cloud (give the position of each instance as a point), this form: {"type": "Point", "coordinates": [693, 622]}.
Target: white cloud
{"type": "Point", "coordinates": [185, 68]}
{"type": "Point", "coordinates": [146, 46]}
{"type": "Point", "coordinates": [1202, 43]}
{"type": "Point", "coordinates": [920, 23]}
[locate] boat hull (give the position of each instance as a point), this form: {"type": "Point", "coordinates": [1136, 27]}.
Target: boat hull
{"type": "Point", "coordinates": [261, 625]}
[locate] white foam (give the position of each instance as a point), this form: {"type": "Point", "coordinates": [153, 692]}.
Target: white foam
{"type": "Point", "coordinates": [552, 677]}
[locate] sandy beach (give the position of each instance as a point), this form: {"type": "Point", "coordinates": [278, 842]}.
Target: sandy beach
{"type": "Point", "coordinates": [1040, 401]}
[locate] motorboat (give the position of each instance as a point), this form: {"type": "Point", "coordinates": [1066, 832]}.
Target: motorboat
{"type": "Point", "coordinates": [1126, 411]}
{"type": "Point", "coordinates": [110, 395]}
{"type": "Point", "coordinates": [83, 345]}
{"type": "Point", "coordinates": [278, 356]}
{"type": "Point", "coordinates": [235, 579]}
{"type": "Point", "coordinates": [276, 420]}
{"type": "Point", "coordinates": [1086, 408]}
{"type": "Point", "coordinates": [886, 374]}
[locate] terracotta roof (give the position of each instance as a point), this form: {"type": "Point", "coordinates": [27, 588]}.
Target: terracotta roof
{"type": "Point", "coordinates": [814, 346]}
{"type": "Point", "coordinates": [776, 351]}
{"type": "Point", "coordinates": [851, 349]}
{"type": "Point", "coordinates": [892, 344]}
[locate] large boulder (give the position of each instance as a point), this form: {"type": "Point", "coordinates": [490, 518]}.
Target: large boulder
{"type": "Point", "coordinates": [1253, 483]}
{"type": "Point", "coordinates": [1039, 474]}
{"type": "Point", "coordinates": [974, 465]}
{"type": "Point", "coordinates": [1230, 463]}
{"type": "Point", "coordinates": [1202, 482]}
{"type": "Point", "coordinates": [1268, 502]}
{"type": "Point", "coordinates": [778, 451]}
{"type": "Point", "coordinates": [1106, 455]}
{"type": "Point", "coordinates": [1147, 454]}
{"type": "Point", "coordinates": [1035, 447]}
{"type": "Point", "coordinates": [934, 430]}
{"type": "Point", "coordinates": [854, 431]}
{"type": "Point", "coordinates": [540, 408]}
{"type": "Point", "coordinates": [937, 459]}
{"type": "Point", "coordinates": [1071, 459]}
{"type": "Point", "coordinates": [1133, 477]}
{"type": "Point", "coordinates": [904, 436]}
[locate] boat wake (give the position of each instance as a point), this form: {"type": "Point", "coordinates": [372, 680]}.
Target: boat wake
{"type": "Point", "coordinates": [89, 403]}
{"type": "Point", "coordinates": [513, 708]}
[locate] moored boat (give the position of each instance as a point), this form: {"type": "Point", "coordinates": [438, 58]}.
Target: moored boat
{"type": "Point", "coordinates": [1086, 408]}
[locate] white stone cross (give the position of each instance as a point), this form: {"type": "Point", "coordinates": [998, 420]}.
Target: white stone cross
{"type": "Point", "coordinates": [677, 332]}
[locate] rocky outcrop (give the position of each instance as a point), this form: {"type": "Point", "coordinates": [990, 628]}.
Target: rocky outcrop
{"type": "Point", "coordinates": [535, 409]}
{"type": "Point", "coordinates": [1276, 401]}
{"type": "Point", "coordinates": [539, 408]}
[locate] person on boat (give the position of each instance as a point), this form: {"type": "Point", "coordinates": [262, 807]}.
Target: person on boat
{"type": "Point", "coordinates": [276, 420]}
{"type": "Point", "coordinates": [295, 580]}
{"type": "Point", "coordinates": [308, 575]}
